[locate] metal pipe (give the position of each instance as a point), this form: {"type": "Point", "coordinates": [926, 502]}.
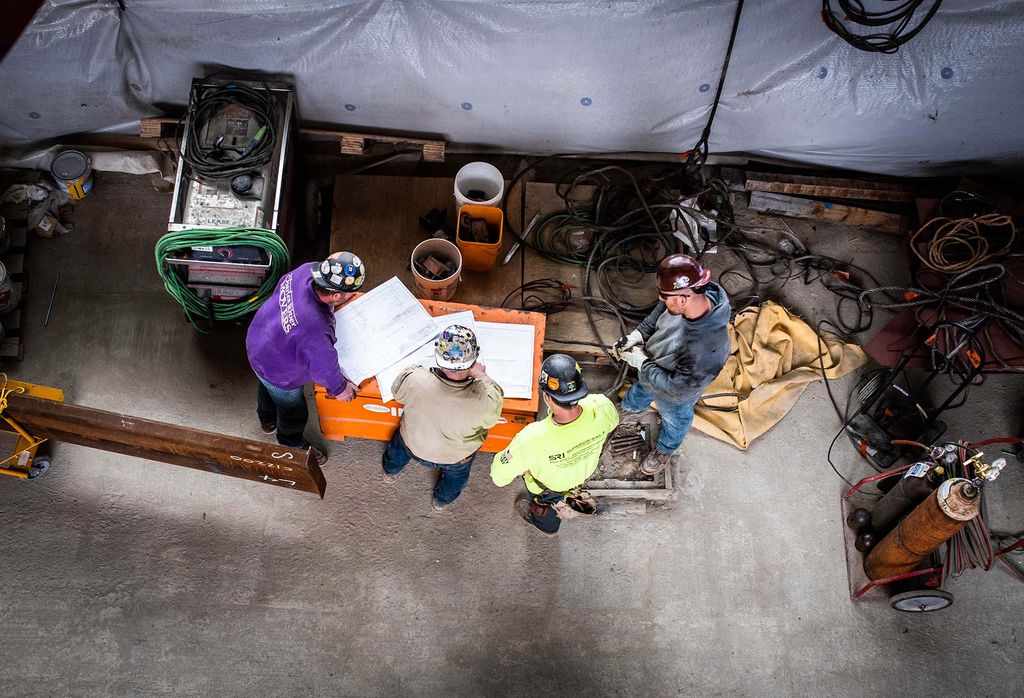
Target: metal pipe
{"type": "Point", "coordinates": [53, 293]}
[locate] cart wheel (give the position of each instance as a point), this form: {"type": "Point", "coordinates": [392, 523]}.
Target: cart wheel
{"type": "Point", "coordinates": [39, 468]}
{"type": "Point", "coordinates": [875, 386]}
{"type": "Point", "coordinates": [921, 600]}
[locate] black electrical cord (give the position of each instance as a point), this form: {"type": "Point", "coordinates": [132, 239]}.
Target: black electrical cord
{"type": "Point", "coordinates": [619, 221]}
{"type": "Point", "coordinates": [897, 16]}
{"type": "Point", "coordinates": [699, 153]}
{"type": "Point", "coordinates": [971, 298]}
{"type": "Point", "coordinates": [218, 163]}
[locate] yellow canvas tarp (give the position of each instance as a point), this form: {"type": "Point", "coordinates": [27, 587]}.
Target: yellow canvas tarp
{"type": "Point", "coordinates": [774, 355]}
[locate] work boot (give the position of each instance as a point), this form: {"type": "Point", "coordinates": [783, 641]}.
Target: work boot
{"type": "Point", "coordinates": [389, 478]}
{"type": "Point", "coordinates": [654, 462]}
{"type": "Point", "coordinates": [523, 510]}
{"type": "Point", "coordinates": [269, 427]}
{"type": "Point", "coordinates": [629, 417]}
{"type": "Point", "coordinates": [319, 456]}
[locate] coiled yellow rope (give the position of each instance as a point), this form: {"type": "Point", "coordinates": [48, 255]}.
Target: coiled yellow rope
{"type": "Point", "coordinates": [954, 245]}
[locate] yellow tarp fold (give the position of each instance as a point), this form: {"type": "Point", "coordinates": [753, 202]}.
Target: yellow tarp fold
{"type": "Point", "coordinates": [774, 355]}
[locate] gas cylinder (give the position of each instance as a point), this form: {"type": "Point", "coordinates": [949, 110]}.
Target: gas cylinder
{"type": "Point", "coordinates": [912, 489]}
{"type": "Point", "coordinates": [929, 525]}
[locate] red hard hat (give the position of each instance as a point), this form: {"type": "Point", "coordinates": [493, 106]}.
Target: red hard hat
{"type": "Point", "coordinates": [680, 272]}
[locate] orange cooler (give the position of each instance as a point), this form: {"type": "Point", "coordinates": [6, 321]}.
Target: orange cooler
{"type": "Point", "coordinates": [368, 417]}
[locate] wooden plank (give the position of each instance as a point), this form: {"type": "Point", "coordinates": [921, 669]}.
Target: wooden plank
{"type": "Point", "coordinates": [827, 187]}
{"type": "Point", "coordinates": [659, 495]}
{"type": "Point", "coordinates": [355, 143]}
{"type": "Point", "coordinates": [271, 464]}
{"type": "Point", "coordinates": [612, 484]}
{"type": "Point", "coordinates": [795, 207]}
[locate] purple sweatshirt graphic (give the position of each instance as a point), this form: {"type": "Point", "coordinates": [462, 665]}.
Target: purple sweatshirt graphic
{"type": "Point", "coordinates": [291, 338]}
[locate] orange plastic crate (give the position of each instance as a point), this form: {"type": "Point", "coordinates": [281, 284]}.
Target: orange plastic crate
{"type": "Point", "coordinates": [368, 417]}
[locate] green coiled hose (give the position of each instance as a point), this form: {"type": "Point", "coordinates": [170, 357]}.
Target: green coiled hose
{"type": "Point", "coordinates": [197, 308]}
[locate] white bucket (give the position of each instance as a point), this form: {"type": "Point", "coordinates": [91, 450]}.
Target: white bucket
{"type": "Point", "coordinates": [480, 178]}
{"type": "Point", "coordinates": [9, 295]}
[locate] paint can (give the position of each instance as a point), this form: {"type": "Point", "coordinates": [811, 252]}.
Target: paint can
{"type": "Point", "coordinates": [9, 295]}
{"type": "Point", "coordinates": [73, 173]}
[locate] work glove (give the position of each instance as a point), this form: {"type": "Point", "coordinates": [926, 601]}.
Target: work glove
{"type": "Point", "coordinates": [633, 339]}
{"type": "Point", "coordinates": [635, 357]}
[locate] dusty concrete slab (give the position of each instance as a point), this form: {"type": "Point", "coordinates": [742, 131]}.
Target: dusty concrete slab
{"type": "Point", "coordinates": [126, 577]}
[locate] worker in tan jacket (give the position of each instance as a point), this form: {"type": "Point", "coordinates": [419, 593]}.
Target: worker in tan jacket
{"type": "Point", "coordinates": [448, 410]}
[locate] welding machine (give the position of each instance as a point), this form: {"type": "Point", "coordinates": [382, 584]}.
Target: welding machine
{"type": "Point", "coordinates": [227, 243]}
{"type": "Point", "coordinates": [234, 167]}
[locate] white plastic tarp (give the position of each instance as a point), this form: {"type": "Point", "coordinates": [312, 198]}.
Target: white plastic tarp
{"type": "Point", "coordinates": [548, 76]}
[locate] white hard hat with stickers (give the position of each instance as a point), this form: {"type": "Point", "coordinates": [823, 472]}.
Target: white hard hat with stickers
{"type": "Point", "coordinates": [456, 348]}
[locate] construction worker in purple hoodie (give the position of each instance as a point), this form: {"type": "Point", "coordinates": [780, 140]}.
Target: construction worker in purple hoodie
{"type": "Point", "coordinates": [291, 343]}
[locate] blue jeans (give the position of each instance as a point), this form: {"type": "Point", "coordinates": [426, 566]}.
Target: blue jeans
{"type": "Point", "coordinates": [676, 417]}
{"type": "Point", "coordinates": [454, 476]}
{"type": "Point", "coordinates": [542, 510]}
{"type": "Point", "coordinates": [285, 408]}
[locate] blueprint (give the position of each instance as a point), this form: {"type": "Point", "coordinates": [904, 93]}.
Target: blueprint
{"type": "Point", "coordinates": [506, 350]}
{"type": "Point", "coordinates": [424, 355]}
{"type": "Point", "coordinates": [379, 328]}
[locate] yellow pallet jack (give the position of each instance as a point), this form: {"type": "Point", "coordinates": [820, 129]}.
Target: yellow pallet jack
{"type": "Point", "coordinates": [26, 461]}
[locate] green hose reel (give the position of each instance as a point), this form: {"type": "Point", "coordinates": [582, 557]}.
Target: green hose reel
{"type": "Point", "coordinates": [204, 309]}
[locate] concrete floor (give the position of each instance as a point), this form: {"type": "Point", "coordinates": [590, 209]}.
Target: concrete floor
{"type": "Point", "coordinates": [127, 577]}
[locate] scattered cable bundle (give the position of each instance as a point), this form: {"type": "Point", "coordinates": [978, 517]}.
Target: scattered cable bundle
{"type": "Point", "coordinates": [618, 234]}
{"type": "Point", "coordinates": [897, 16]}
{"type": "Point", "coordinates": [213, 164]}
{"type": "Point", "coordinates": [973, 298]}
{"type": "Point", "coordinates": [619, 221]}
{"type": "Point", "coordinates": [197, 308]}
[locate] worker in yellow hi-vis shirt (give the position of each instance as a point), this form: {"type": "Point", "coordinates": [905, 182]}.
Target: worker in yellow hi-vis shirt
{"type": "Point", "coordinates": [556, 455]}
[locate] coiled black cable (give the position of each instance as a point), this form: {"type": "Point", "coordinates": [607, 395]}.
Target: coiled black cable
{"type": "Point", "coordinates": [898, 15]}
{"type": "Point", "coordinates": [215, 164]}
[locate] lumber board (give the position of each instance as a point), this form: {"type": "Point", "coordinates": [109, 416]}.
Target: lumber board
{"type": "Point", "coordinates": [270, 464]}
{"type": "Point", "coordinates": [795, 207]}
{"type": "Point", "coordinates": [659, 495]}
{"type": "Point", "coordinates": [828, 187]}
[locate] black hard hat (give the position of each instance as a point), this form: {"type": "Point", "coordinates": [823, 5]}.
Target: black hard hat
{"type": "Point", "coordinates": [560, 378]}
{"type": "Point", "coordinates": [343, 272]}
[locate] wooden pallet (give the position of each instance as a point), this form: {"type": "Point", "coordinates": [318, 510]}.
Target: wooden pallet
{"type": "Point", "coordinates": [158, 127]}
{"type": "Point", "coordinates": [355, 144]}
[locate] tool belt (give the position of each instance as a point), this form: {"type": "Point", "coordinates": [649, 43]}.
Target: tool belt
{"type": "Point", "coordinates": [577, 498]}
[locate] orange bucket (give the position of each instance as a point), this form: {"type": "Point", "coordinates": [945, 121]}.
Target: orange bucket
{"type": "Point", "coordinates": [480, 256]}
